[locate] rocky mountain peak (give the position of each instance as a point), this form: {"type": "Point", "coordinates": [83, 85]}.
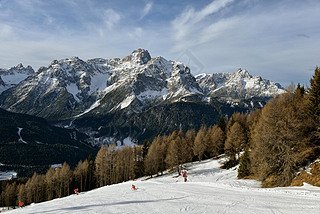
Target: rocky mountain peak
{"type": "Point", "coordinates": [20, 69]}
{"type": "Point", "coordinates": [242, 73]}
{"type": "Point", "coordinates": [140, 56]}
{"type": "Point", "coordinates": [12, 76]}
{"type": "Point", "coordinates": [19, 66]}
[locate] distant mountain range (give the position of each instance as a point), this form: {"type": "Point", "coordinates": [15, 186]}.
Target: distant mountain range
{"type": "Point", "coordinates": [129, 99]}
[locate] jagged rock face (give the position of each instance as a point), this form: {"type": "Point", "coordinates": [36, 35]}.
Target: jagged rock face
{"type": "Point", "coordinates": [11, 77]}
{"type": "Point", "coordinates": [237, 85]}
{"type": "Point", "coordinates": [72, 87]}
{"type": "Point", "coordinates": [1, 82]}
{"type": "Point", "coordinates": [19, 69]}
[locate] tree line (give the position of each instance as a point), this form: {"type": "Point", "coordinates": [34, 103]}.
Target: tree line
{"type": "Point", "coordinates": [271, 144]}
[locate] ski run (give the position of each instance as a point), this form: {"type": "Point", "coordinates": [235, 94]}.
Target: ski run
{"type": "Point", "coordinates": [209, 189]}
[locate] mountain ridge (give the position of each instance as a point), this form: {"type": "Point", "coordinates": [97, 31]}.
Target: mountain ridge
{"type": "Point", "coordinates": [136, 82]}
{"type": "Point", "coordinates": [115, 94]}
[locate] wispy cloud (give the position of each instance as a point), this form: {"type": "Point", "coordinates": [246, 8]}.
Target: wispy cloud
{"type": "Point", "coordinates": [188, 21]}
{"type": "Point", "coordinates": [136, 34]}
{"type": "Point", "coordinates": [111, 18]}
{"type": "Point", "coordinates": [5, 31]}
{"type": "Point", "coordinates": [146, 9]}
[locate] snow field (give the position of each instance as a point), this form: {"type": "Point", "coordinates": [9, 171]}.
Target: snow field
{"type": "Point", "coordinates": [209, 190]}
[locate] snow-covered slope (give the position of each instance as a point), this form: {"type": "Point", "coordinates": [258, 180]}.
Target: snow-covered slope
{"type": "Point", "coordinates": [12, 76]}
{"type": "Point", "coordinates": [73, 87]}
{"type": "Point", "coordinates": [209, 190]}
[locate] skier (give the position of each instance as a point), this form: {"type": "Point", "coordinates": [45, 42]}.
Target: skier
{"type": "Point", "coordinates": [76, 191]}
{"type": "Point", "coordinates": [21, 204]}
{"type": "Point", "coordinates": [133, 187]}
{"type": "Point", "coordinates": [184, 175]}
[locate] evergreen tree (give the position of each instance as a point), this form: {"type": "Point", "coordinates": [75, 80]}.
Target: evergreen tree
{"type": "Point", "coordinates": [189, 137]}
{"type": "Point", "coordinates": [138, 162]}
{"type": "Point", "coordinates": [145, 148]}
{"type": "Point", "coordinates": [235, 142]}
{"type": "Point", "coordinates": [173, 158]}
{"type": "Point", "coordinates": [215, 144]}
{"type": "Point", "coordinates": [10, 195]}
{"type": "Point", "coordinates": [244, 168]}
{"type": "Point", "coordinates": [50, 184]}
{"type": "Point", "coordinates": [222, 123]}
{"type": "Point", "coordinates": [91, 180]}
{"type": "Point", "coordinates": [314, 96]}
{"type": "Point", "coordinates": [101, 167]}
{"type": "Point", "coordinates": [151, 163]}
{"type": "Point", "coordinates": [199, 147]}
{"type": "Point", "coordinates": [65, 180]}
{"type": "Point", "coordinates": [299, 92]}
{"type": "Point", "coordinates": [81, 175]}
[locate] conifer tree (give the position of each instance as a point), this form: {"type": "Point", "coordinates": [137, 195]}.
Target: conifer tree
{"type": "Point", "coordinates": [91, 181]}
{"type": "Point", "coordinates": [151, 163]}
{"type": "Point", "coordinates": [299, 92]}
{"type": "Point", "coordinates": [138, 162]}
{"type": "Point", "coordinates": [22, 195]}
{"type": "Point", "coordinates": [10, 195]}
{"type": "Point", "coordinates": [314, 96]}
{"type": "Point", "coordinates": [145, 147]}
{"type": "Point", "coordinates": [222, 123]}
{"type": "Point", "coordinates": [199, 147]}
{"type": "Point", "coordinates": [235, 142]}
{"type": "Point", "coordinates": [189, 137]}
{"type": "Point", "coordinates": [81, 175]}
{"type": "Point", "coordinates": [244, 168]}
{"type": "Point", "coordinates": [50, 184]}
{"type": "Point", "coordinates": [179, 151]}
{"type": "Point", "coordinates": [101, 168]}
{"type": "Point", "coordinates": [173, 158]}
{"type": "Point", "coordinates": [215, 144]}
{"type": "Point", "coordinates": [65, 179]}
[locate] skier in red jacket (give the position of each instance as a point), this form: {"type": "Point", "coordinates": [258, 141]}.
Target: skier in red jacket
{"type": "Point", "coordinates": [76, 191]}
{"type": "Point", "coordinates": [21, 204]}
{"type": "Point", "coordinates": [133, 187]}
{"type": "Point", "coordinates": [184, 175]}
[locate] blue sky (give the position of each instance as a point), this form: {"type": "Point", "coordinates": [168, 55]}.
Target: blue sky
{"type": "Point", "coordinates": [275, 39]}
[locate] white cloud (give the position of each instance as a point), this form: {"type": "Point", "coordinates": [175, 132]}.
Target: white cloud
{"type": "Point", "coordinates": [188, 21]}
{"type": "Point", "coordinates": [5, 31]}
{"type": "Point", "coordinates": [146, 9]}
{"type": "Point", "coordinates": [275, 41]}
{"type": "Point", "coordinates": [137, 33]}
{"type": "Point", "coordinates": [213, 7]}
{"type": "Point", "coordinates": [111, 18]}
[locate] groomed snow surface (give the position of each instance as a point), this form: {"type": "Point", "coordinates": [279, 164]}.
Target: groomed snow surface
{"type": "Point", "coordinates": [209, 190]}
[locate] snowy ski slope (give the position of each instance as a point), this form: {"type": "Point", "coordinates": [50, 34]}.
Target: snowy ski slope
{"type": "Point", "coordinates": [209, 190]}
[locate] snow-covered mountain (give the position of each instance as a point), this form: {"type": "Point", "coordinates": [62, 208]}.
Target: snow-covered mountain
{"type": "Point", "coordinates": [12, 76]}
{"type": "Point", "coordinates": [72, 87]}
{"type": "Point", "coordinates": [239, 84]}
{"type": "Point", "coordinates": [209, 189]}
